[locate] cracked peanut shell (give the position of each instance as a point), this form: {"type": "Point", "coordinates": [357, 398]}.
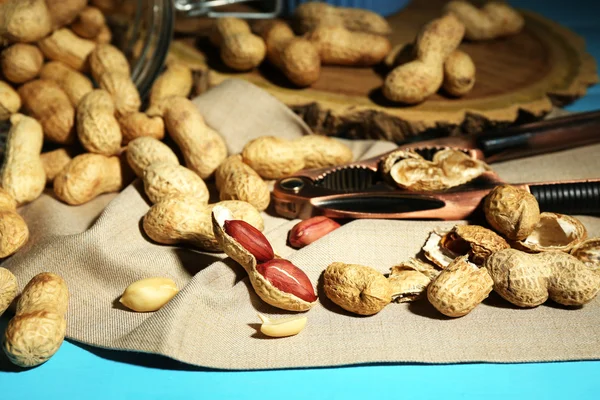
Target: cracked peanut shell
{"type": "Point", "coordinates": [263, 288]}
{"type": "Point", "coordinates": [474, 241]}
{"type": "Point", "coordinates": [448, 168]}
{"type": "Point", "coordinates": [553, 232]}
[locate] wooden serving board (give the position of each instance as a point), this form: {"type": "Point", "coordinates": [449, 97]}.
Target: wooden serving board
{"type": "Point", "coordinates": [519, 78]}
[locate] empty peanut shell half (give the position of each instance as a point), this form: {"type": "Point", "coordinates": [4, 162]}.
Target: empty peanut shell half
{"type": "Point", "coordinates": [554, 232]}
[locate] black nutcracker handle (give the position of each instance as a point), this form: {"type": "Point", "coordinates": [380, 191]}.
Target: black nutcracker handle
{"type": "Point", "coordinates": [578, 197]}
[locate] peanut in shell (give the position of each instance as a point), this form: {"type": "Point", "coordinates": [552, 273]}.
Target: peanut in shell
{"type": "Point", "coordinates": [511, 211]}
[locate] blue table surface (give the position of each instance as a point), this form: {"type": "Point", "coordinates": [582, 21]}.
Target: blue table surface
{"type": "Point", "coordinates": [83, 372]}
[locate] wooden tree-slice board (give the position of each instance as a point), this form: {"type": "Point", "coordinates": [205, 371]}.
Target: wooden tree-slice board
{"type": "Point", "coordinates": [518, 78]}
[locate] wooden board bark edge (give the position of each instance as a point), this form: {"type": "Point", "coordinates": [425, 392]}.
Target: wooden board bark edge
{"type": "Point", "coordinates": [332, 114]}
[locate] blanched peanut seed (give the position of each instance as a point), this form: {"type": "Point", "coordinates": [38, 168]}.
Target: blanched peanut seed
{"type": "Point", "coordinates": [149, 294]}
{"type": "Point", "coordinates": [282, 327]}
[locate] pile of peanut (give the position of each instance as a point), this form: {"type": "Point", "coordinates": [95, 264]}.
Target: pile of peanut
{"type": "Point", "coordinates": [329, 35]}
{"type": "Point", "coordinates": [526, 256]}
{"type": "Point", "coordinates": [69, 89]}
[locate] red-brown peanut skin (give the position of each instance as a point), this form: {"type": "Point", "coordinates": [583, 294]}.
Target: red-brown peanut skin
{"type": "Point", "coordinates": [288, 278]}
{"type": "Point", "coordinates": [312, 229]}
{"type": "Point", "coordinates": [251, 239]}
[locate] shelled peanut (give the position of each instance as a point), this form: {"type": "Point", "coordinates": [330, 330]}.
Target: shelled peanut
{"type": "Point", "coordinates": [149, 294]}
{"type": "Point", "coordinates": [310, 230]}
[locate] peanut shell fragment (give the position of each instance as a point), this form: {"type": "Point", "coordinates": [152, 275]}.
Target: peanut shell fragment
{"type": "Point", "coordinates": [477, 242]}
{"type": "Point", "coordinates": [409, 280]}
{"type": "Point", "coordinates": [448, 168]}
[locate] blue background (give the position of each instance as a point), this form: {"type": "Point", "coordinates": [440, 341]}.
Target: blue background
{"type": "Point", "coordinates": [83, 372]}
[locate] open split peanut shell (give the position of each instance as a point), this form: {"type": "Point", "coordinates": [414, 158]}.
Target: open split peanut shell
{"type": "Point", "coordinates": [553, 232]}
{"type": "Point", "coordinates": [448, 168]}
{"type": "Point", "coordinates": [475, 241]}
{"type": "Point", "coordinates": [263, 287]}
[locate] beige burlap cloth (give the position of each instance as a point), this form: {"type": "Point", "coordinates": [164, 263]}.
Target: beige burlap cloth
{"type": "Point", "coordinates": [99, 249]}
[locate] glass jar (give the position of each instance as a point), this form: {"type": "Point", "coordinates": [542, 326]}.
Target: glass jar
{"type": "Point", "coordinates": [143, 30]}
